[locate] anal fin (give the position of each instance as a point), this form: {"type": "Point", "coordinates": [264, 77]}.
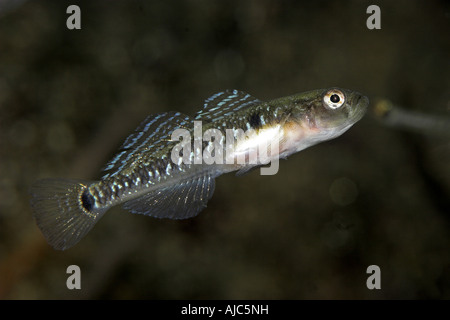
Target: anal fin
{"type": "Point", "coordinates": [180, 201]}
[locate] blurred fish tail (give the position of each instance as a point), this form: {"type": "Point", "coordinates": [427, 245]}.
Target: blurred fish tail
{"type": "Point", "coordinates": [64, 211]}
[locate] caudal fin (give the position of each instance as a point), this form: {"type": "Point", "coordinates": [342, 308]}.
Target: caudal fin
{"type": "Point", "coordinates": [63, 211]}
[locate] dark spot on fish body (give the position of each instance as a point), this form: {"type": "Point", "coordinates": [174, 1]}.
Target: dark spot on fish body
{"type": "Point", "coordinates": [254, 120]}
{"type": "Point", "coordinates": [117, 191]}
{"type": "Point", "coordinates": [143, 175]}
{"type": "Point", "coordinates": [159, 168]}
{"type": "Point", "coordinates": [87, 200]}
{"type": "Point", "coordinates": [107, 194]}
{"type": "Point", "coordinates": [96, 194]}
{"type": "Point", "coordinates": [131, 180]}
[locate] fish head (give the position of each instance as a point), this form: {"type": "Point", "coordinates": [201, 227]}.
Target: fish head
{"type": "Point", "coordinates": [336, 110]}
{"type": "Point", "coordinates": [321, 115]}
{"type": "Point", "coordinates": [327, 113]}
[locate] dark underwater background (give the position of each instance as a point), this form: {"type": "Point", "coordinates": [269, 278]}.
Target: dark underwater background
{"type": "Point", "coordinates": [378, 195]}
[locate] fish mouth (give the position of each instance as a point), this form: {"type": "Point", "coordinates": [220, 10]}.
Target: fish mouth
{"type": "Point", "coordinates": [360, 104]}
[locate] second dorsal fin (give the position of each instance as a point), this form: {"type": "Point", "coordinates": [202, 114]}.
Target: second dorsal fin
{"type": "Point", "coordinates": [225, 103]}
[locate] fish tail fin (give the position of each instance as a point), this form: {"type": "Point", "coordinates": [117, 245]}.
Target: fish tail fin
{"type": "Point", "coordinates": [64, 211]}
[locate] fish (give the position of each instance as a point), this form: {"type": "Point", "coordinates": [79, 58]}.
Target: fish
{"type": "Point", "coordinates": [167, 167]}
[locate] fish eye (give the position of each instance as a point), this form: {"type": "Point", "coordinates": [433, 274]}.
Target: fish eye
{"type": "Point", "coordinates": [334, 99]}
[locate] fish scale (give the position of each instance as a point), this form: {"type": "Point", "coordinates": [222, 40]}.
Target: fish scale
{"type": "Point", "coordinates": [147, 179]}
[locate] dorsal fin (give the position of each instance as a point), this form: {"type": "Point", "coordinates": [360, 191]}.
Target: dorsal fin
{"type": "Point", "coordinates": [225, 103]}
{"type": "Point", "coordinates": [179, 201]}
{"type": "Point", "coordinates": [152, 135]}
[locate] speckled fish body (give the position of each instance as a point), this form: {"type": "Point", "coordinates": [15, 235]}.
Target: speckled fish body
{"type": "Point", "coordinates": [147, 177]}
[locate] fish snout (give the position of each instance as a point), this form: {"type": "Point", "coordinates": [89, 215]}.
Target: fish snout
{"type": "Point", "coordinates": [359, 105]}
